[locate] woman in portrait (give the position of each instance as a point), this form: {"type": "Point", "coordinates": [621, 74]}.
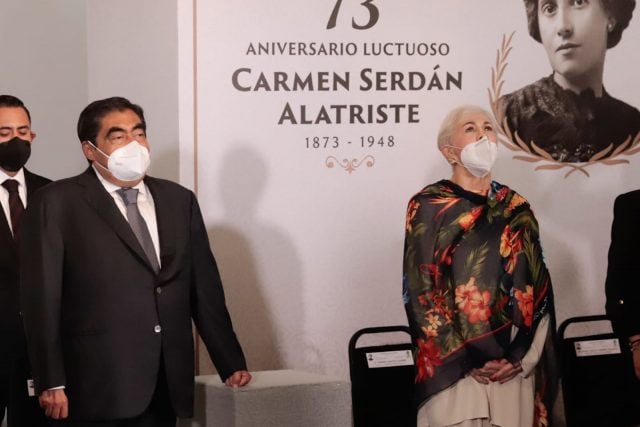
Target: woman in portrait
{"type": "Point", "coordinates": [569, 114]}
{"type": "Point", "coordinates": [476, 291]}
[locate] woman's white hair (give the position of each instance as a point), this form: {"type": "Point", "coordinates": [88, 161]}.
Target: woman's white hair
{"type": "Point", "coordinates": [447, 127]}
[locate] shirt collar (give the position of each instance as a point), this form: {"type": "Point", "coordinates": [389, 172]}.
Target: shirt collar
{"type": "Point", "coordinates": [112, 188]}
{"type": "Point", "coordinates": [18, 177]}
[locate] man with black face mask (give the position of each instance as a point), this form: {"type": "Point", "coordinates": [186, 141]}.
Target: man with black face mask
{"type": "Point", "coordinates": [17, 185]}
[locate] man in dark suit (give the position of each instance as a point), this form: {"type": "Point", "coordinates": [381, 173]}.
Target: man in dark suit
{"type": "Point", "coordinates": [622, 291]}
{"type": "Point", "coordinates": [119, 266]}
{"type": "Point", "coordinates": [17, 188]}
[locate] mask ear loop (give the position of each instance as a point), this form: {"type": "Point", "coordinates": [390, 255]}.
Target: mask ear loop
{"type": "Point", "coordinates": [95, 162]}
{"type": "Point", "coordinates": [452, 160]}
{"type": "Point", "coordinates": [99, 150]}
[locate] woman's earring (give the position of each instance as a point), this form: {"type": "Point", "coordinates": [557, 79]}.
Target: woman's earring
{"type": "Point", "coordinates": [452, 160]}
{"type": "Point", "coordinates": [610, 26]}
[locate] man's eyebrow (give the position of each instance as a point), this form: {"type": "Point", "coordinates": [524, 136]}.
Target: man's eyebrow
{"type": "Point", "coordinates": [25, 127]}
{"type": "Point", "coordinates": [140, 126]}
{"type": "Point", "coordinates": [114, 129]}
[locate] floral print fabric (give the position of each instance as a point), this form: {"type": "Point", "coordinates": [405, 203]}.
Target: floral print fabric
{"type": "Point", "coordinates": [473, 274]}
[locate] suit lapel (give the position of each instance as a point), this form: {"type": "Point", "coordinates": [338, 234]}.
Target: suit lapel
{"type": "Point", "coordinates": [166, 227]}
{"type": "Point", "coordinates": [5, 234]}
{"type": "Point", "coordinates": [6, 237]}
{"type": "Point", "coordinates": [101, 201]}
{"type": "Point", "coordinates": [33, 182]}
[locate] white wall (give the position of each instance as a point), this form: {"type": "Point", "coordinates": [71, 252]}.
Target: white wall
{"type": "Point", "coordinates": [132, 52]}
{"type": "Point", "coordinates": [44, 63]}
{"type": "Point", "coordinates": [59, 56]}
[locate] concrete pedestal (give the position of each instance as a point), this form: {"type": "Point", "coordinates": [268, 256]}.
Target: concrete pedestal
{"type": "Point", "coordinates": [273, 399]}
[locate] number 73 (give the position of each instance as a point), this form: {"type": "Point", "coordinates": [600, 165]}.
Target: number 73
{"type": "Point", "coordinates": [374, 14]}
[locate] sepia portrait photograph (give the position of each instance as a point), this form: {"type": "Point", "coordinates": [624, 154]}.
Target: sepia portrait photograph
{"type": "Point", "coordinates": [569, 113]}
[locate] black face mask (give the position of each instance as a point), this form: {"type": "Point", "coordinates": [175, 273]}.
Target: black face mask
{"type": "Point", "coordinates": [14, 154]}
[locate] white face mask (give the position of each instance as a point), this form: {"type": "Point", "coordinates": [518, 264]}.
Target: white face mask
{"type": "Point", "coordinates": [478, 158]}
{"type": "Point", "coordinates": [127, 163]}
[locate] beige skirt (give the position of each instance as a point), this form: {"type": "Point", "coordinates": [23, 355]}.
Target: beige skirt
{"type": "Point", "coordinates": [505, 405]}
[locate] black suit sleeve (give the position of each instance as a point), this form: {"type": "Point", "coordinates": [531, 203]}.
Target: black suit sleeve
{"type": "Point", "coordinates": [40, 293]}
{"type": "Point", "coordinates": [622, 288]}
{"type": "Point", "coordinates": [208, 303]}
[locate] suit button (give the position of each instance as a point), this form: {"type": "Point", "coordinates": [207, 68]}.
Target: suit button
{"type": "Point", "coordinates": [158, 290]}
{"type": "Point", "coordinates": [620, 301]}
{"type": "Point", "coordinates": [157, 329]}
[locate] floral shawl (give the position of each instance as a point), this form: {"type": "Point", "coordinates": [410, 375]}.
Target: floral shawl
{"type": "Point", "coordinates": [473, 269]}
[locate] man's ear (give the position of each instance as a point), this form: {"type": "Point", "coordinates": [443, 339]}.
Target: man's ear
{"type": "Point", "coordinates": [89, 151]}
{"type": "Point", "coordinates": [33, 136]}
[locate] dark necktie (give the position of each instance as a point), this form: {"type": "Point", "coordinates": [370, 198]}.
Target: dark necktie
{"type": "Point", "coordinates": [16, 208]}
{"type": "Point", "coordinates": [138, 224]}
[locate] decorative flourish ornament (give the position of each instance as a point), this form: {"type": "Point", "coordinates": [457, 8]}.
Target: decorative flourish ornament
{"type": "Point", "coordinates": [350, 165]}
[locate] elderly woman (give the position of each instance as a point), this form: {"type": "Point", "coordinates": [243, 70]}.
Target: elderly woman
{"type": "Point", "coordinates": [476, 290]}
{"type": "Point", "coordinates": [569, 114]}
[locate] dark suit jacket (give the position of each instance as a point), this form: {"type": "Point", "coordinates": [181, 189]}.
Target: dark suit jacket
{"type": "Point", "coordinates": [98, 318]}
{"type": "Point", "coordinates": [11, 332]}
{"type": "Point", "coordinates": [622, 288]}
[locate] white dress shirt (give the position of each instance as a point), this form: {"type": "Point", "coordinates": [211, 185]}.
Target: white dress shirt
{"type": "Point", "coordinates": [145, 205]}
{"type": "Point", "coordinates": [4, 194]}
